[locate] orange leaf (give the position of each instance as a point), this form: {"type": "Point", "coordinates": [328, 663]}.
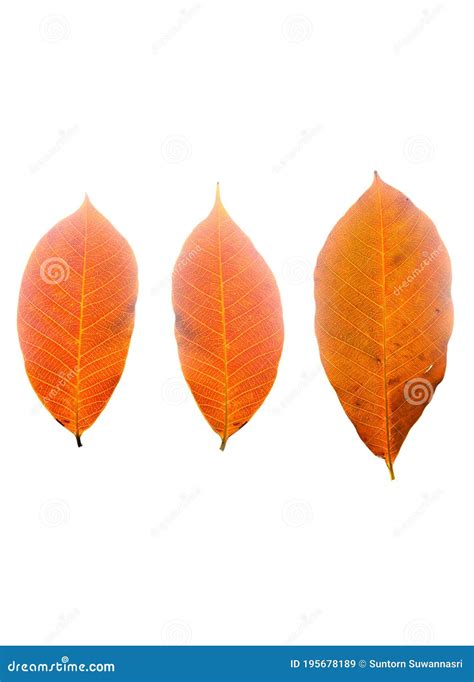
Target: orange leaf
{"type": "Point", "coordinates": [229, 325]}
{"type": "Point", "coordinates": [75, 316]}
{"type": "Point", "coordinates": [383, 315]}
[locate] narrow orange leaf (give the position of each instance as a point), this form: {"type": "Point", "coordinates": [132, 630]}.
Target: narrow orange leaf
{"type": "Point", "coordinates": [229, 324]}
{"type": "Point", "coordinates": [75, 316]}
{"type": "Point", "coordinates": [383, 315]}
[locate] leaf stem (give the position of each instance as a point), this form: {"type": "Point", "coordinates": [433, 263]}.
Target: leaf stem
{"type": "Point", "coordinates": [389, 464]}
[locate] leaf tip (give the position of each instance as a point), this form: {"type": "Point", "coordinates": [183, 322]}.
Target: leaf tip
{"type": "Point", "coordinates": [218, 193]}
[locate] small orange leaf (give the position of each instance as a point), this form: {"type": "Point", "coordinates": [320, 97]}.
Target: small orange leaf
{"type": "Point", "coordinates": [75, 316]}
{"type": "Point", "coordinates": [229, 324]}
{"type": "Point", "coordinates": [383, 315]}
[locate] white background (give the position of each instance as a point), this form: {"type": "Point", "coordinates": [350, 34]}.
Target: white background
{"type": "Point", "coordinates": [149, 534]}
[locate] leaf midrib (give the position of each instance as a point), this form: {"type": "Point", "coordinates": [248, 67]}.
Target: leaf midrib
{"type": "Point", "coordinates": [384, 335]}
{"type": "Point", "coordinates": [224, 335]}
{"type": "Point", "coordinates": [81, 318]}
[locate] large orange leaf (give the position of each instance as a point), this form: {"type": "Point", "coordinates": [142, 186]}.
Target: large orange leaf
{"type": "Point", "coordinates": [75, 316]}
{"type": "Point", "coordinates": [229, 325]}
{"type": "Point", "coordinates": [383, 315]}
